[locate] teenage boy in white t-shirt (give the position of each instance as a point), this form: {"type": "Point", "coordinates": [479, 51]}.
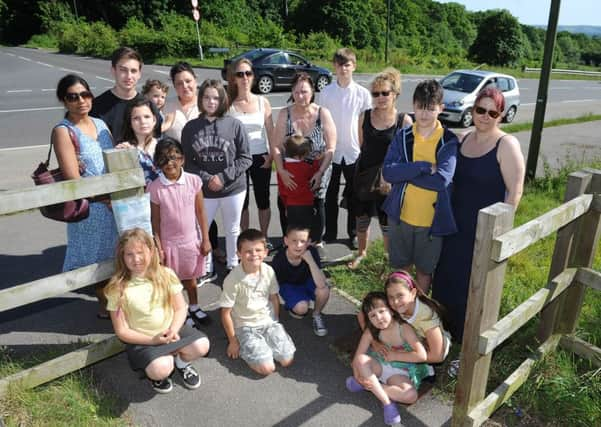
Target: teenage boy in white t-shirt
{"type": "Point", "coordinates": [346, 100]}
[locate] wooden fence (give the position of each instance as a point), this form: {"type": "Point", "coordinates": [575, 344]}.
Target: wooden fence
{"type": "Point", "coordinates": [125, 179]}
{"type": "Point", "coordinates": [577, 223]}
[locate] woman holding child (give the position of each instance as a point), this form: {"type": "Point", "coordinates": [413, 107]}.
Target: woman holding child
{"type": "Point", "coordinates": [93, 239]}
{"type": "Point", "coordinates": [254, 112]}
{"type": "Point", "coordinates": [490, 169]}
{"type": "Point", "coordinates": [306, 118]}
{"type": "Point", "coordinates": [377, 127]}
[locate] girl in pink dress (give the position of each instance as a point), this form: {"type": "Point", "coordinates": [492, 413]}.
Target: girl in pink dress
{"type": "Point", "coordinates": [179, 221]}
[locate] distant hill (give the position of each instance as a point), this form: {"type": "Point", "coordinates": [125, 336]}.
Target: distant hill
{"type": "Point", "coordinates": [589, 30]}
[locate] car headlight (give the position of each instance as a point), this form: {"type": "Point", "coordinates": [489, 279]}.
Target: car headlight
{"type": "Point", "coordinates": [456, 103]}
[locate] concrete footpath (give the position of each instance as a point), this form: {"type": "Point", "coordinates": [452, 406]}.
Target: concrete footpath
{"type": "Point", "coordinates": [309, 393]}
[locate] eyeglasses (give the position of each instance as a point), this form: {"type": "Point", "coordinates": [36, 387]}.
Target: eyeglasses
{"type": "Point", "coordinates": [74, 96]}
{"type": "Point", "coordinates": [492, 113]}
{"type": "Point", "coordinates": [172, 158]}
{"type": "Point", "coordinates": [378, 94]}
{"type": "Point", "coordinates": [241, 74]}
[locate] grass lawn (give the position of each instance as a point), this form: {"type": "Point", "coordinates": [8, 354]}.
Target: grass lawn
{"type": "Point", "coordinates": [563, 386]}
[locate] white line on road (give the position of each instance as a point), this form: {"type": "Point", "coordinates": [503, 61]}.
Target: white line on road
{"type": "Point", "coordinates": [161, 72]}
{"type": "Point", "coordinates": [578, 100]}
{"type": "Point", "coordinates": [48, 90]}
{"type": "Point", "coordinates": [23, 110]}
{"type": "Point", "coordinates": [68, 70]}
{"type": "Point", "coordinates": [19, 90]}
{"type": "Point", "coordinates": [28, 147]}
{"type": "Point", "coordinates": [24, 59]}
{"type": "Point", "coordinates": [44, 64]}
{"type": "Point", "coordinates": [104, 78]}
{"type": "Point", "coordinates": [10, 54]}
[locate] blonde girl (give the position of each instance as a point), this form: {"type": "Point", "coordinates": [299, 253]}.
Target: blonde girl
{"type": "Point", "coordinates": [396, 376]}
{"type": "Point", "coordinates": [147, 310]}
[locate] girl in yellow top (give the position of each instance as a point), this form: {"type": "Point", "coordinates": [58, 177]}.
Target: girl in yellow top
{"type": "Point", "coordinates": [148, 311]}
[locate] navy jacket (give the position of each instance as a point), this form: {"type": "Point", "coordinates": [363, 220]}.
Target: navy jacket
{"type": "Point", "coordinates": [399, 170]}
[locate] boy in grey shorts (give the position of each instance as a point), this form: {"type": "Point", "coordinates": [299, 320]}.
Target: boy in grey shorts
{"type": "Point", "coordinates": [250, 307]}
{"type": "Point", "coordinates": [420, 164]}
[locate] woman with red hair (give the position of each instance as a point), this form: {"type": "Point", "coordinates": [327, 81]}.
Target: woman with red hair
{"type": "Point", "coordinates": [490, 169]}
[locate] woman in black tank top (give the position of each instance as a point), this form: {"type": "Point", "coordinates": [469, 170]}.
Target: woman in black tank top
{"type": "Point", "coordinates": [377, 127]}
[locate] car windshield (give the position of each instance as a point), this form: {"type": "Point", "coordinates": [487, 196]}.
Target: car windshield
{"type": "Point", "coordinates": [253, 54]}
{"type": "Point", "coordinates": [461, 82]}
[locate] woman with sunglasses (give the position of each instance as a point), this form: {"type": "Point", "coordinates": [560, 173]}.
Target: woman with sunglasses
{"type": "Point", "coordinates": [93, 239]}
{"type": "Point", "coordinates": [377, 127]}
{"type": "Point", "coordinates": [304, 117]}
{"type": "Point", "coordinates": [490, 169]}
{"type": "Point", "coordinates": [255, 114]}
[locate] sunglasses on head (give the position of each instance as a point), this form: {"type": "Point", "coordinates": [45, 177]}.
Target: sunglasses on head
{"type": "Point", "coordinates": [241, 74]}
{"type": "Point", "coordinates": [166, 159]}
{"type": "Point", "coordinates": [382, 93]}
{"type": "Point", "coordinates": [492, 113]}
{"type": "Point", "coordinates": [74, 96]}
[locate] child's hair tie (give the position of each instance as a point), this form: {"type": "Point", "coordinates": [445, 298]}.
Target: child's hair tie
{"type": "Point", "coordinates": [403, 275]}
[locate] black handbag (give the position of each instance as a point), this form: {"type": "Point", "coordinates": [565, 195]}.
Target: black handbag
{"type": "Point", "coordinates": [368, 184]}
{"type": "Point", "coordinates": [73, 210]}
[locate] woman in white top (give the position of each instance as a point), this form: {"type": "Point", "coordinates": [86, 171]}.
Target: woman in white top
{"type": "Point", "coordinates": [255, 114]}
{"type": "Point", "coordinates": [180, 112]}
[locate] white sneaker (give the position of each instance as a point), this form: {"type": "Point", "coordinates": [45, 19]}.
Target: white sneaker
{"type": "Point", "coordinates": [319, 326]}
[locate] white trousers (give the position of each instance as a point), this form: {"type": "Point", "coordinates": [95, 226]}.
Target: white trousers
{"type": "Point", "coordinates": [231, 211]}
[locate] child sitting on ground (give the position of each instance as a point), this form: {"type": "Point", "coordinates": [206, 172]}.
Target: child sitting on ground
{"type": "Point", "coordinates": [396, 377]}
{"type": "Point", "coordinates": [148, 310]}
{"type": "Point", "coordinates": [301, 280]}
{"type": "Point", "coordinates": [299, 203]}
{"type": "Point", "coordinates": [250, 309]}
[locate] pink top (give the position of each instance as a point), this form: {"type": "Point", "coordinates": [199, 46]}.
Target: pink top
{"type": "Point", "coordinates": [177, 204]}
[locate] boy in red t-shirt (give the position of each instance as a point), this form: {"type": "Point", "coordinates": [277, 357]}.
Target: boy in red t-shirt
{"type": "Point", "coordinates": [300, 209]}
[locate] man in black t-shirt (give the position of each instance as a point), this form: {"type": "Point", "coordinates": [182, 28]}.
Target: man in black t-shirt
{"type": "Point", "coordinates": [299, 275]}
{"type": "Point", "coordinates": [110, 106]}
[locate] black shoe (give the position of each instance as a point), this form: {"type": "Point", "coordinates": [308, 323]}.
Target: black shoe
{"type": "Point", "coordinates": [162, 386]}
{"type": "Point", "coordinates": [190, 377]}
{"type": "Point", "coordinates": [207, 278]}
{"type": "Point", "coordinates": [199, 317]}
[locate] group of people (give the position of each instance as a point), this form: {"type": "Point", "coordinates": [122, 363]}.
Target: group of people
{"type": "Point", "coordinates": [200, 153]}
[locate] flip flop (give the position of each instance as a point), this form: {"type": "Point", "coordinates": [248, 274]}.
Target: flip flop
{"type": "Point", "coordinates": [354, 264]}
{"type": "Point", "coordinates": [103, 316]}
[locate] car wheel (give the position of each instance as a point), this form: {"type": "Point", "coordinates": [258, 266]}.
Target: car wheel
{"type": "Point", "coordinates": [510, 115]}
{"type": "Point", "coordinates": [466, 119]}
{"type": "Point", "coordinates": [322, 81]}
{"type": "Point", "coordinates": [265, 84]}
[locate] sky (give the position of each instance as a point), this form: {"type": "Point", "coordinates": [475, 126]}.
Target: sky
{"type": "Point", "coordinates": [536, 12]}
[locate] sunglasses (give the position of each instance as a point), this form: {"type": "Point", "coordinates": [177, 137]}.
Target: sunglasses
{"type": "Point", "coordinates": [241, 74]}
{"type": "Point", "coordinates": [74, 96]}
{"type": "Point", "coordinates": [492, 113]}
{"type": "Point", "coordinates": [172, 158]}
{"type": "Point", "coordinates": [378, 94]}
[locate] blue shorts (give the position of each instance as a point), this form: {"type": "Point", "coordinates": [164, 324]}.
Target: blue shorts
{"type": "Point", "coordinates": [292, 294]}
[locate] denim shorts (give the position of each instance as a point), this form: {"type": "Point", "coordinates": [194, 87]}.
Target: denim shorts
{"type": "Point", "coordinates": [293, 293]}
{"type": "Point", "coordinates": [265, 343]}
{"type": "Point", "coordinates": [409, 245]}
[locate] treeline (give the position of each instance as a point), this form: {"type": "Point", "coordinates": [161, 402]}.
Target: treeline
{"type": "Point", "coordinates": [422, 32]}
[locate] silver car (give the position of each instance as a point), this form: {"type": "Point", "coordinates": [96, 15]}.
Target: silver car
{"type": "Point", "coordinates": [462, 86]}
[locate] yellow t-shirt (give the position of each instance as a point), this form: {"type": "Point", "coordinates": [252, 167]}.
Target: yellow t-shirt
{"type": "Point", "coordinates": [142, 314]}
{"type": "Point", "coordinates": [418, 203]}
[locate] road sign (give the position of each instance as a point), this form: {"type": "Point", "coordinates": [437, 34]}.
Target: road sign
{"type": "Point", "coordinates": [194, 3]}
{"type": "Point", "coordinates": [195, 14]}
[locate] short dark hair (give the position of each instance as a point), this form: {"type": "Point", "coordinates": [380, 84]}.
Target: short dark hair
{"type": "Point", "coordinates": [223, 98]}
{"type": "Point", "coordinates": [428, 93]}
{"type": "Point", "coordinates": [344, 55]}
{"type": "Point", "coordinates": [302, 77]}
{"type": "Point", "coordinates": [180, 67]}
{"type": "Point", "coordinates": [297, 146]}
{"type": "Point", "coordinates": [125, 52]}
{"type": "Point", "coordinates": [66, 82]}
{"type": "Point", "coordinates": [251, 235]}
{"type": "Point", "coordinates": [165, 145]}
{"type": "Point", "coordinates": [150, 83]}
{"type": "Point", "coordinates": [297, 227]}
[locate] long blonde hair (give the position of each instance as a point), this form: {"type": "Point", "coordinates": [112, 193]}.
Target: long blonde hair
{"type": "Point", "coordinates": [155, 273]}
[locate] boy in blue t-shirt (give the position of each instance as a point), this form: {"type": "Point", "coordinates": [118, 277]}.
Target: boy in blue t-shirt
{"type": "Point", "coordinates": [300, 278]}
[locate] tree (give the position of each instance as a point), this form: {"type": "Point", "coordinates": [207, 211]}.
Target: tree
{"type": "Point", "coordinates": [499, 39]}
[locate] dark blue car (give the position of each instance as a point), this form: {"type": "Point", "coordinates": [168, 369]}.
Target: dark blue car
{"type": "Point", "coordinates": [275, 68]}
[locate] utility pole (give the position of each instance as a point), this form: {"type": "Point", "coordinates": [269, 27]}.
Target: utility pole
{"type": "Point", "coordinates": [387, 32]}
{"type": "Point", "coordinates": [543, 89]}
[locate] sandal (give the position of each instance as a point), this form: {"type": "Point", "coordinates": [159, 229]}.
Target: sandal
{"type": "Point", "coordinates": [354, 264]}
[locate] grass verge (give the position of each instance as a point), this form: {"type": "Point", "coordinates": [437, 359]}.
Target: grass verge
{"type": "Point", "coordinates": [562, 386]}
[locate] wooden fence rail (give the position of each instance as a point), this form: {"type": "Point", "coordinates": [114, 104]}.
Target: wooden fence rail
{"type": "Point", "coordinates": [578, 225]}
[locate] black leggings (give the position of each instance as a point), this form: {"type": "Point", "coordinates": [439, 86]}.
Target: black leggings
{"type": "Point", "coordinates": [261, 178]}
{"type": "Point", "coordinates": [318, 221]}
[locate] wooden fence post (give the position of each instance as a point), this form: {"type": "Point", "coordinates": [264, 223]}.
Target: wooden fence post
{"type": "Point", "coordinates": [120, 159]}
{"type": "Point", "coordinates": [483, 303]}
{"type": "Point", "coordinates": [574, 247]}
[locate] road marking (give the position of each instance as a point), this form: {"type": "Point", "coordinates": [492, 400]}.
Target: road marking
{"type": "Point", "coordinates": [44, 64]}
{"type": "Point", "coordinates": [528, 104]}
{"type": "Point", "coordinates": [48, 90]}
{"type": "Point", "coordinates": [28, 147]}
{"type": "Point", "coordinates": [68, 70]}
{"type": "Point", "coordinates": [161, 72]}
{"type": "Point", "coordinates": [23, 110]}
{"type": "Point", "coordinates": [104, 78]}
{"type": "Point", "coordinates": [24, 59]}
{"type": "Point", "coordinates": [578, 100]}
{"type": "Point", "coordinates": [10, 54]}
{"type": "Point", "coordinates": [19, 91]}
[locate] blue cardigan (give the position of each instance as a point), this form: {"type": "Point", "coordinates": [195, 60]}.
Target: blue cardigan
{"type": "Point", "coordinates": [399, 170]}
